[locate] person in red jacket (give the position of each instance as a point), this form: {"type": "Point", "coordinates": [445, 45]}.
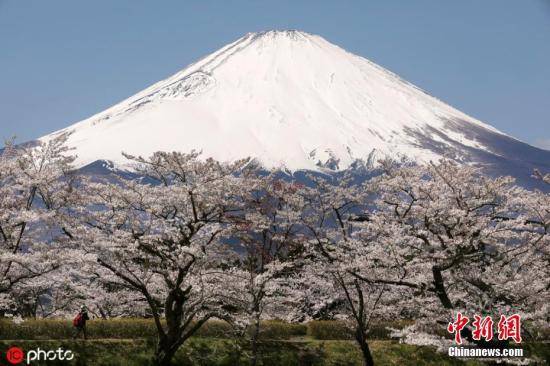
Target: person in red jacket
{"type": "Point", "coordinates": [79, 322]}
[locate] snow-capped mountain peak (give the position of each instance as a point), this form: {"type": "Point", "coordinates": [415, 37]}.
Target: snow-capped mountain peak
{"type": "Point", "coordinates": [290, 100]}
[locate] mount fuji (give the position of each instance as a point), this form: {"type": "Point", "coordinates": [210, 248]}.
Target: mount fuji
{"type": "Point", "coordinates": [294, 101]}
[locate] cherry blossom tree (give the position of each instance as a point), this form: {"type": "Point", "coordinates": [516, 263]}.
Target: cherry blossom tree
{"type": "Point", "coordinates": [462, 242]}
{"type": "Point", "coordinates": [341, 249]}
{"type": "Point", "coordinates": [163, 238]}
{"type": "Point", "coordinates": [434, 240]}
{"type": "Point", "coordinates": [537, 212]}
{"type": "Point", "coordinates": [37, 188]}
{"type": "Point", "coordinates": [268, 240]}
{"type": "Point", "coordinates": [52, 294]}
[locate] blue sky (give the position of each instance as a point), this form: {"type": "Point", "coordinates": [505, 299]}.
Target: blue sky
{"type": "Point", "coordinates": [64, 60]}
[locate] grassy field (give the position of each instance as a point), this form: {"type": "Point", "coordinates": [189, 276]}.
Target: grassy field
{"type": "Point", "coordinates": [132, 342]}
{"type": "Point", "coordinates": [221, 352]}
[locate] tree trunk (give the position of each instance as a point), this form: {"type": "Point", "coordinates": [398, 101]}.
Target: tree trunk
{"type": "Point", "coordinates": [170, 341]}
{"type": "Point", "coordinates": [361, 339]}
{"type": "Point", "coordinates": [102, 313]}
{"type": "Point", "coordinates": [254, 342]}
{"type": "Point", "coordinates": [165, 352]}
{"type": "Point", "coordinates": [440, 290]}
{"type": "Point", "coordinates": [443, 297]}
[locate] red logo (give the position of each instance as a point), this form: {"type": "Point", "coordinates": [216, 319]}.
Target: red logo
{"type": "Point", "coordinates": [483, 328]}
{"type": "Point", "coordinates": [15, 355]}
{"type": "Point", "coordinates": [508, 327]}
{"type": "Point", "coordinates": [456, 326]}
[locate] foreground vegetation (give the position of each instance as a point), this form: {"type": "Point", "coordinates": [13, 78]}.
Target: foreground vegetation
{"type": "Point", "coordinates": [223, 352]}
{"type": "Point", "coordinates": [132, 342]}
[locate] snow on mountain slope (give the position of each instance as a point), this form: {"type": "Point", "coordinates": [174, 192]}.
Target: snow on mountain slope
{"type": "Point", "coordinates": [290, 100]}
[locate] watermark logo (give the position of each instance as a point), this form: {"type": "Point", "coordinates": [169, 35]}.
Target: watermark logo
{"type": "Point", "coordinates": [507, 328]}
{"type": "Point", "coordinates": [457, 326]}
{"type": "Point", "coordinates": [16, 355]}
{"type": "Point", "coordinates": [467, 352]}
{"type": "Point", "coordinates": [482, 328]}
{"type": "Point", "coordinates": [510, 328]}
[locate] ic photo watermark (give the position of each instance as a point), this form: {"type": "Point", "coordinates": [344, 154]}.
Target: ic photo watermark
{"type": "Point", "coordinates": [16, 355]}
